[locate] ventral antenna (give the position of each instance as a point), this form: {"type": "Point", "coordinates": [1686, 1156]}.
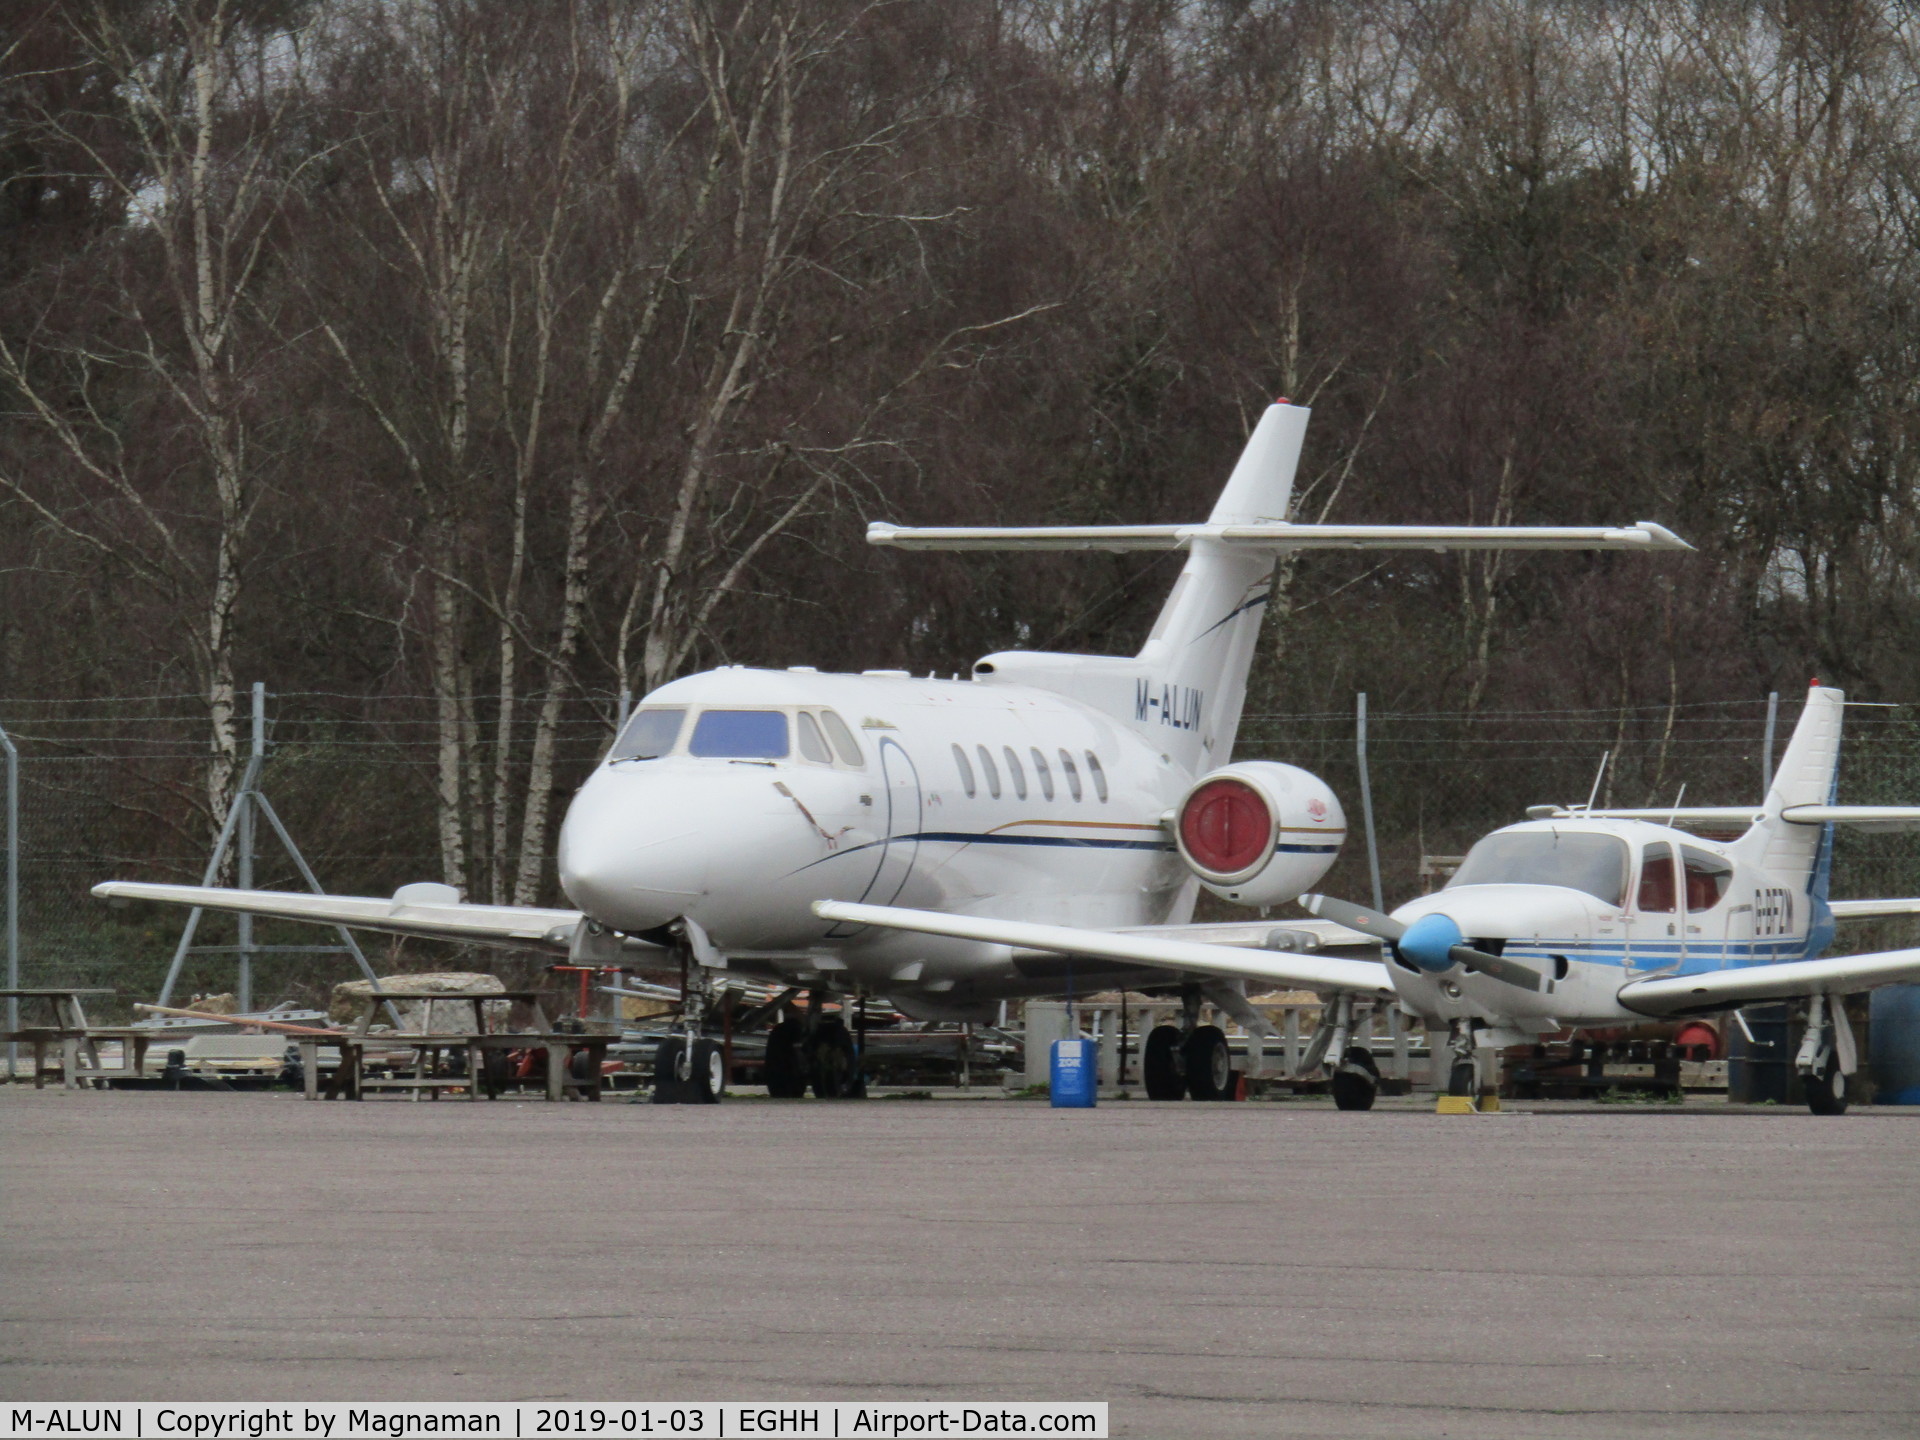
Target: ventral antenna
{"type": "Point", "coordinates": [1598, 776]}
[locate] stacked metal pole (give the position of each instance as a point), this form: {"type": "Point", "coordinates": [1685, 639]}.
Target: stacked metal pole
{"type": "Point", "coordinates": [13, 892]}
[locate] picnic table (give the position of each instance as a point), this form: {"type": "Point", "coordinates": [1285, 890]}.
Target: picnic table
{"type": "Point", "coordinates": [74, 1038]}
{"type": "Point", "coordinates": [574, 1062]}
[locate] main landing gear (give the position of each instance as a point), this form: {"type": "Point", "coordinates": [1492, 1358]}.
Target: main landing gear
{"type": "Point", "coordinates": [1826, 1057]}
{"type": "Point", "coordinates": [816, 1053]}
{"type": "Point", "coordinates": [1189, 1059]}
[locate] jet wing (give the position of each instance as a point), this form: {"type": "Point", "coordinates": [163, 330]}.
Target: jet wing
{"type": "Point", "coordinates": [1720, 989]}
{"type": "Point", "coordinates": [1142, 947]}
{"type": "Point", "coordinates": [516, 927]}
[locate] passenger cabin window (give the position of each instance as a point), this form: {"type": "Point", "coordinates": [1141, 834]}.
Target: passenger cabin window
{"type": "Point", "coordinates": [966, 770]}
{"type": "Point", "coordinates": [1068, 769]}
{"type": "Point", "coordinates": [812, 746]}
{"type": "Point", "coordinates": [649, 735]}
{"type": "Point", "coordinates": [1658, 893]}
{"type": "Point", "coordinates": [1014, 772]}
{"type": "Point", "coordinates": [989, 770]}
{"type": "Point", "coordinates": [1708, 877]}
{"type": "Point", "coordinates": [1041, 772]}
{"type": "Point", "coordinates": [1579, 860]}
{"type": "Point", "coordinates": [1099, 776]}
{"type": "Point", "coordinates": [844, 745]}
{"type": "Point", "coordinates": [740, 735]}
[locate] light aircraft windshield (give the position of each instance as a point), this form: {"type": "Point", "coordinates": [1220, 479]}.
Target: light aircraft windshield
{"type": "Point", "coordinates": [649, 735]}
{"type": "Point", "coordinates": [1579, 860]}
{"type": "Point", "coordinates": [740, 735]}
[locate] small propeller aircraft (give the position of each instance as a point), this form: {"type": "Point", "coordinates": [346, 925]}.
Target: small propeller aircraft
{"type": "Point", "coordinates": [1575, 918]}
{"type": "Point", "coordinates": [1036, 791]}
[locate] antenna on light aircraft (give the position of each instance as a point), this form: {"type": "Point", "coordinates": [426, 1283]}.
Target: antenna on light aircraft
{"type": "Point", "coordinates": [1598, 776]}
{"type": "Point", "coordinates": [1675, 815]}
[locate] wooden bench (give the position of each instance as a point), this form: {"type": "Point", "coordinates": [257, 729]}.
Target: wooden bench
{"type": "Point", "coordinates": [350, 1080]}
{"type": "Point", "coordinates": [74, 1040]}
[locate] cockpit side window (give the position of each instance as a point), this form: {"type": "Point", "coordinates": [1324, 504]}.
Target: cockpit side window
{"type": "Point", "coordinates": [1708, 877]}
{"type": "Point", "coordinates": [992, 772]}
{"type": "Point", "coordinates": [1040, 769]}
{"type": "Point", "coordinates": [1578, 859]}
{"type": "Point", "coordinates": [1659, 895]}
{"type": "Point", "coordinates": [844, 745]}
{"type": "Point", "coordinates": [740, 735]}
{"type": "Point", "coordinates": [650, 734]}
{"type": "Point", "coordinates": [812, 747]}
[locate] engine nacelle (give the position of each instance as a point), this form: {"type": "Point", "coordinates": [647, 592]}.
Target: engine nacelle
{"type": "Point", "coordinates": [1258, 832]}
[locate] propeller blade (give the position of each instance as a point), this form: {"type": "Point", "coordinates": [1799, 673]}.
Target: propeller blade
{"type": "Point", "coordinates": [1354, 917]}
{"type": "Point", "coordinates": [1510, 971]}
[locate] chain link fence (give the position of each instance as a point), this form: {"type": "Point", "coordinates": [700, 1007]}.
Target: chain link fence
{"type": "Point", "coordinates": [116, 790]}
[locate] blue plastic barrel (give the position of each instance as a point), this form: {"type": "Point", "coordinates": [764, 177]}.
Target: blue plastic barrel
{"type": "Point", "coordinates": [1893, 1051]}
{"type": "Point", "coordinates": [1074, 1075]}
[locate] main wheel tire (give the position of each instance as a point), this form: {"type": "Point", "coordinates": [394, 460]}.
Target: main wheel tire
{"type": "Point", "coordinates": [1357, 1081]}
{"type": "Point", "coordinates": [785, 1070]}
{"type": "Point", "coordinates": [1209, 1064]}
{"type": "Point", "coordinates": [1460, 1079]}
{"type": "Point", "coordinates": [706, 1074]}
{"type": "Point", "coordinates": [668, 1087]}
{"type": "Point", "coordinates": [1827, 1089]}
{"type": "Point", "coordinates": [832, 1064]}
{"type": "Point", "coordinates": [1160, 1064]}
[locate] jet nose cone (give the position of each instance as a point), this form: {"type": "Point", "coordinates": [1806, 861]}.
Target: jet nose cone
{"type": "Point", "coordinates": [631, 866]}
{"type": "Point", "coordinates": [1428, 942]}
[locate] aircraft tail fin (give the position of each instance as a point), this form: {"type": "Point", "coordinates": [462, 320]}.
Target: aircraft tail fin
{"type": "Point", "coordinates": [1796, 854]}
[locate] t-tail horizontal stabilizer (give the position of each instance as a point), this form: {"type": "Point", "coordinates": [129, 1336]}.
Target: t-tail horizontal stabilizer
{"type": "Point", "coordinates": [1276, 538]}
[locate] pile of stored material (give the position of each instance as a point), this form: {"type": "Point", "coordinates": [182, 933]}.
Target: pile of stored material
{"type": "Point", "coordinates": [349, 1005]}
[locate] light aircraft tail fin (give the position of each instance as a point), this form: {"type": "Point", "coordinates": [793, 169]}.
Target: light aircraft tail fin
{"type": "Point", "coordinates": [1187, 685]}
{"type": "Point", "coordinates": [1807, 775]}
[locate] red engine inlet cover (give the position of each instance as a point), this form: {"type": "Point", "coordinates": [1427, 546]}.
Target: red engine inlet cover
{"type": "Point", "coordinates": [1225, 827]}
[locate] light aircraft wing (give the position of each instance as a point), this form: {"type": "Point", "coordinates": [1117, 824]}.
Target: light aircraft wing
{"type": "Point", "coordinates": [1857, 817]}
{"type": "Point", "coordinates": [1142, 947]}
{"type": "Point", "coordinates": [517, 927]}
{"type": "Point", "coordinates": [1277, 536]}
{"type": "Point", "coordinates": [1719, 989]}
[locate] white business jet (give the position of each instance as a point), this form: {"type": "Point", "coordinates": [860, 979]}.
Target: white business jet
{"type": "Point", "coordinates": [1576, 918]}
{"type": "Point", "coordinates": [1056, 790]}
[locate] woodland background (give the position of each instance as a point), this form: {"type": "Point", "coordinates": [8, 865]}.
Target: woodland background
{"type": "Point", "coordinates": [457, 366]}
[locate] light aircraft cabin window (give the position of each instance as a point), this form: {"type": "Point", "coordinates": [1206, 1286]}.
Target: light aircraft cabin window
{"type": "Point", "coordinates": [812, 746]}
{"type": "Point", "coordinates": [1099, 776]}
{"type": "Point", "coordinates": [1579, 860]}
{"type": "Point", "coordinates": [1018, 776]}
{"type": "Point", "coordinates": [992, 773]}
{"type": "Point", "coordinates": [1041, 771]}
{"type": "Point", "coordinates": [1072, 773]}
{"type": "Point", "coordinates": [844, 744]}
{"type": "Point", "coordinates": [966, 771]}
{"type": "Point", "coordinates": [1708, 877]}
{"type": "Point", "coordinates": [1659, 895]}
{"type": "Point", "coordinates": [649, 735]}
{"type": "Point", "coordinates": [740, 735]}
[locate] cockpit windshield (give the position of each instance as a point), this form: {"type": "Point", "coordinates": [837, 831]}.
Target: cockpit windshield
{"type": "Point", "coordinates": [740, 735]}
{"type": "Point", "coordinates": [1578, 859]}
{"type": "Point", "coordinates": [649, 734]}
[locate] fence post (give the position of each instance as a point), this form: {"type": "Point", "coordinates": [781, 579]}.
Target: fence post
{"type": "Point", "coordinates": [1366, 797]}
{"type": "Point", "coordinates": [13, 893]}
{"type": "Point", "coordinates": [1766, 752]}
{"type": "Point", "coordinates": [243, 1000]}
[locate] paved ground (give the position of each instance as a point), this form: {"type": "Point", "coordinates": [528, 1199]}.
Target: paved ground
{"type": "Point", "coordinates": [1211, 1270]}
